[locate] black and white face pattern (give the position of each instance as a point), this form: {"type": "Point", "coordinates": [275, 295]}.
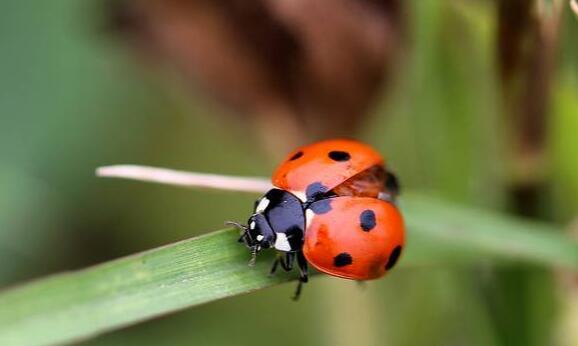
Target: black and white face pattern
{"type": "Point", "coordinates": [278, 222]}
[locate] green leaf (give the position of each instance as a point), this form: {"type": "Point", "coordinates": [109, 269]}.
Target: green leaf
{"type": "Point", "coordinates": [444, 230]}
{"type": "Point", "coordinates": [77, 305]}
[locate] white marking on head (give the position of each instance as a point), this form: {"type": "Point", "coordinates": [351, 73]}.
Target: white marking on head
{"type": "Point", "coordinates": [262, 205]}
{"type": "Point", "coordinates": [300, 194]}
{"type": "Point", "coordinates": [260, 237]}
{"type": "Point", "coordinates": [281, 243]}
{"type": "Point", "coordinates": [309, 215]}
{"type": "Point", "coordinates": [252, 225]}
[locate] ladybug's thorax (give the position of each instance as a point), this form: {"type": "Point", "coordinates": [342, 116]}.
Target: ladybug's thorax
{"type": "Point", "coordinates": [278, 221]}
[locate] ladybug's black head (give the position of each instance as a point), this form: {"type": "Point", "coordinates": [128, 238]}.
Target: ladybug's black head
{"type": "Point", "coordinates": [257, 235]}
{"type": "Point", "coordinates": [259, 232]}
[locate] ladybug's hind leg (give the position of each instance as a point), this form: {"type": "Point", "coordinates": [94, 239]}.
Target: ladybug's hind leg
{"type": "Point", "coordinates": [303, 274]}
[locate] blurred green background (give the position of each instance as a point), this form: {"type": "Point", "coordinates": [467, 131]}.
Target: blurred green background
{"type": "Point", "coordinates": [73, 97]}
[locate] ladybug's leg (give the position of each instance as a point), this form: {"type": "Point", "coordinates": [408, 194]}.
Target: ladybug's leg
{"type": "Point", "coordinates": [274, 266]}
{"type": "Point", "coordinates": [289, 260]}
{"type": "Point", "coordinates": [302, 263]}
{"type": "Point", "coordinates": [286, 264]}
{"type": "Point", "coordinates": [303, 274]}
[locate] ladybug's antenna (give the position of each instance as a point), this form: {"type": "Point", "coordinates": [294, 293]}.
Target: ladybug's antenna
{"type": "Point", "coordinates": [244, 231]}
{"type": "Point", "coordinates": [237, 225]}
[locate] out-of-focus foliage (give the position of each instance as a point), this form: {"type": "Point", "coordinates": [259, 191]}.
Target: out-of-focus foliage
{"type": "Point", "coordinates": [72, 97]}
{"type": "Point", "coordinates": [298, 70]}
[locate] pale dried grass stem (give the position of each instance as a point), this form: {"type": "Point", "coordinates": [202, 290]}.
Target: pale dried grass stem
{"type": "Point", "coordinates": [185, 179]}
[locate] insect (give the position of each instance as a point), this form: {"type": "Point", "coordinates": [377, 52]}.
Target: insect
{"type": "Point", "coordinates": [332, 206]}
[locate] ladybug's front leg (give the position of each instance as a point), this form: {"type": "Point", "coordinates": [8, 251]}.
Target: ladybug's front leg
{"type": "Point", "coordinates": [303, 274]}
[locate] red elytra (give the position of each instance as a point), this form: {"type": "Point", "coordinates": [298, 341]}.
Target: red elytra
{"type": "Point", "coordinates": [314, 163]}
{"type": "Point", "coordinates": [359, 238]}
{"type": "Point", "coordinates": [335, 242]}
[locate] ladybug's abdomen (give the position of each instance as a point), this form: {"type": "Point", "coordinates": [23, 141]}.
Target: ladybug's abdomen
{"type": "Point", "coordinates": [356, 238]}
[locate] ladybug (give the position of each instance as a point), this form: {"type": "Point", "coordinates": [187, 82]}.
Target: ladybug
{"type": "Point", "coordinates": [332, 206]}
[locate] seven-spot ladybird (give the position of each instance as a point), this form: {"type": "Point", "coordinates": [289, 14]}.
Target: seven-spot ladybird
{"type": "Point", "coordinates": [333, 206]}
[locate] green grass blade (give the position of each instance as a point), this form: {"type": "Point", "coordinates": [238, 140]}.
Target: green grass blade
{"type": "Point", "coordinates": [444, 230]}
{"type": "Point", "coordinates": [76, 305]}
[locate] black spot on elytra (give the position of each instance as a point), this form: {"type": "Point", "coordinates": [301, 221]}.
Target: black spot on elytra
{"type": "Point", "coordinates": [392, 260]}
{"type": "Point", "coordinates": [367, 220]}
{"type": "Point", "coordinates": [296, 156]}
{"type": "Point", "coordinates": [321, 207]}
{"type": "Point", "coordinates": [342, 260]}
{"type": "Point", "coordinates": [315, 191]}
{"type": "Point", "coordinates": [339, 156]}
